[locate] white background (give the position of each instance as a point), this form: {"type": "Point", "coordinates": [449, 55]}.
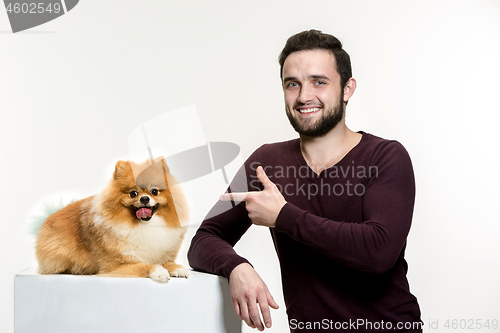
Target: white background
{"type": "Point", "coordinates": [428, 73]}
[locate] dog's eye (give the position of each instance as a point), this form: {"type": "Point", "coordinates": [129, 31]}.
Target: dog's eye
{"type": "Point", "coordinates": [133, 194]}
{"type": "Point", "coordinates": [154, 191]}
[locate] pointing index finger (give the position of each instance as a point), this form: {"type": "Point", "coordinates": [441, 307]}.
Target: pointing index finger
{"type": "Point", "coordinates": [234, 196]}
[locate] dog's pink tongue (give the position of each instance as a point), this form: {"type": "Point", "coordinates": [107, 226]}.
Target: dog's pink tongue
{"type": "Point", "coordinates": [143, 212]}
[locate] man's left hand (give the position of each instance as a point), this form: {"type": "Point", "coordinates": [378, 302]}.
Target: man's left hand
{"type": "Point", "coordinates": [263, 206]}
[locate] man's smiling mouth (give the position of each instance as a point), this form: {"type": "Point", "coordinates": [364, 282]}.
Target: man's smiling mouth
{"type": "Point", "coordinates": [308, 110]}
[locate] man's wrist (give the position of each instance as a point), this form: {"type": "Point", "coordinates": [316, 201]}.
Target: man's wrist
{"type": "Point", "coordinates": [240, 265]}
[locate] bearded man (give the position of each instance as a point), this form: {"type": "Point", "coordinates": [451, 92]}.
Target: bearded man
{"type": "Point", "coordinates": [338, 205]}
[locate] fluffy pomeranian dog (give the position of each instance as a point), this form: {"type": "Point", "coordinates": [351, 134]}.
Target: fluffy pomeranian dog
{"type": "Point", "coordinates": [133, 228]}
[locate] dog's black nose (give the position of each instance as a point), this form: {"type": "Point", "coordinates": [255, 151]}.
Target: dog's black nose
{"type": "Point", "coordinates": [144, 199]}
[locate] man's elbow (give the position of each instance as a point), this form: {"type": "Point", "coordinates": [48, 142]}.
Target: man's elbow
{"type": "Point", "coordinates": [192, 254]}
{"type": "Point", "coordinates": [379, 264]}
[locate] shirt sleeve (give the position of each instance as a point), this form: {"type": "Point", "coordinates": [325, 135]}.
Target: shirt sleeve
{"type": "Point", "coordinates": [211, 248]}
{"type": "Point", "coordinates": [375, 244]}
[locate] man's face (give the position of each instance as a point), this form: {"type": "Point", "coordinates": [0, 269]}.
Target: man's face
{"type": "Point", "coordinates": [313, 96]}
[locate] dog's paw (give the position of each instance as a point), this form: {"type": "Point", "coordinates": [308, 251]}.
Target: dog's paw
{"type": "Point", "coordinates": [180, 272]}
{"type": "Point", "coordinates": [160, 274]}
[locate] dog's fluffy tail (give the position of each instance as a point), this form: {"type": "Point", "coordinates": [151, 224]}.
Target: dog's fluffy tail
{"type": "Point", "coordinates": [48, 208]}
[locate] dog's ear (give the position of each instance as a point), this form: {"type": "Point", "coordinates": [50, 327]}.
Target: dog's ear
{"type": "Point", "coordinates": [121, 168]}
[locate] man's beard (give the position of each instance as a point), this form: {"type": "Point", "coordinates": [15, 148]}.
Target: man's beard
{"type": "Point", "coordinates": [329, 119]}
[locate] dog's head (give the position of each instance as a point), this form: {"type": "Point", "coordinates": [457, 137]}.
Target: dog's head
{"type": "Point", "coordinates": [139, 192]}
{"type": "Point", "coordinates": [142, 188]}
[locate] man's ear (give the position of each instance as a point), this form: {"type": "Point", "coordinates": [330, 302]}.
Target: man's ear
{"type": "Point", "coordinates": [349, 89]}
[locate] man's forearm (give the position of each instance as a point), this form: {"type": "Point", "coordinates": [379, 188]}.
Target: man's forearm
{"type": "Point", "coordinates": [211, 254]}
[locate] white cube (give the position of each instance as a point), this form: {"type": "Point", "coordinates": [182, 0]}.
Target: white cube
{"type": "Point", "coordinates": [73, 304]}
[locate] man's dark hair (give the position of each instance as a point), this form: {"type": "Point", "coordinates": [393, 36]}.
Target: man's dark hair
{"type": "Point", "coordinates": [314, 40]}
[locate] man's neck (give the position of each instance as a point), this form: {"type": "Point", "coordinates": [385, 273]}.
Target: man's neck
{"type": "Point", "coordinates": [323, 152]}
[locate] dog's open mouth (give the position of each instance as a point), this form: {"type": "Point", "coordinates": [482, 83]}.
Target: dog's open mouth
{"type": "Point", "coordinates": [145, 213]}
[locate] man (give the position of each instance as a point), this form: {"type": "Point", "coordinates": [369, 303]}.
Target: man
{"type": "Point", "coordinates": [338, 204]}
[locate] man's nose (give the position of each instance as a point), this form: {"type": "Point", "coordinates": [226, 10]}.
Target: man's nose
{"type": "Point", "coordinates": [306, 94]}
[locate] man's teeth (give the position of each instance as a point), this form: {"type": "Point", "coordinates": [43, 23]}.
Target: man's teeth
{"type": "Point", "coordinates": [308, 110]}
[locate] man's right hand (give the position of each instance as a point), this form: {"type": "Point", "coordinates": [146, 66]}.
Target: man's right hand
{"type": "Point", "coordinates": [248, 290]}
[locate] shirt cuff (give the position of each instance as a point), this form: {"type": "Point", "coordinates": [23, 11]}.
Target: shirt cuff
{"type": "Point", "coordinates": [231, 263]}
{"type": "Point", "coordinates": [287, 217]}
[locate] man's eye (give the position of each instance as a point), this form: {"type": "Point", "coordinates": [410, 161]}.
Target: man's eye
{"type": "Point", "coordinates": [133, 194]}
{"type": "Point", "coordinates": [319, 83]}
{"type": "Point", "coordinates": [293, 84]}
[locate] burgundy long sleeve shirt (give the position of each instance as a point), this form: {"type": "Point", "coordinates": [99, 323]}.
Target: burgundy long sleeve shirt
{"type": "Point", "coordinates": [340, 238]}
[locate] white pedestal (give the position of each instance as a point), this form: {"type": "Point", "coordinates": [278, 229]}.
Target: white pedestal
{"type": "Point", "coordinates": [74, 304]}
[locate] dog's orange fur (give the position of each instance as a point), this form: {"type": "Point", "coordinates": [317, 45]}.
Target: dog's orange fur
{"type": "Point", "coordinates": [102, 235]}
